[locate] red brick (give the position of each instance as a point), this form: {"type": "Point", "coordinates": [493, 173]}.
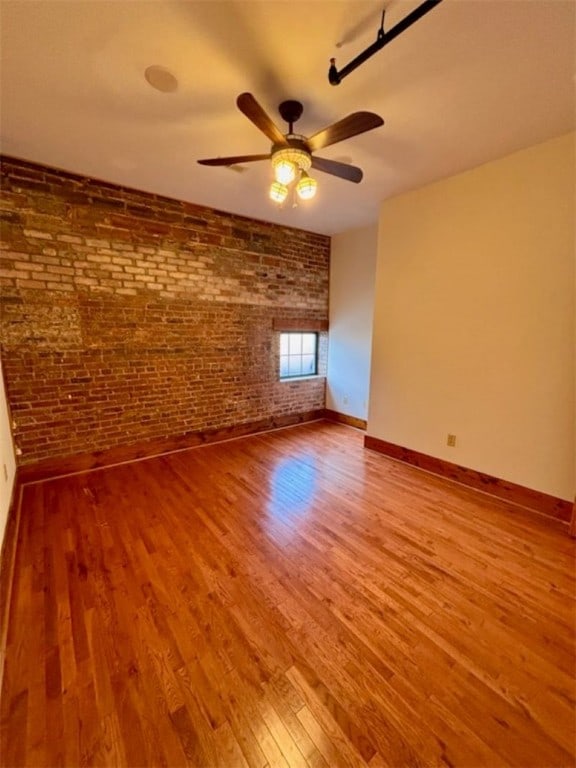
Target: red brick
{"type": "Point", "coordinates": [152, 329]}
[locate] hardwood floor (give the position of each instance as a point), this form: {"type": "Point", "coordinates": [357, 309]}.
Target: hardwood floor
{"type": "Point", "coordinates": [287, 599]}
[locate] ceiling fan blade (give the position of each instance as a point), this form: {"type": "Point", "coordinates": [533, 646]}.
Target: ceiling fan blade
{"type": "Point", "coordinates": [357, 122]}
{"type": "Point", "coordinates": [248, 105]}
{"type": "Point", "coordinates": [233, 160]}
{"type": "Point", "coordinates": [343, 170]}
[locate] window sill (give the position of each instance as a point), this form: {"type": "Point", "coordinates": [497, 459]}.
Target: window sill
{"type": "Point", "coordinates": [288, 379]}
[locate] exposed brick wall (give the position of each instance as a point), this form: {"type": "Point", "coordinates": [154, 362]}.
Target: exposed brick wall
{"type": "Point", "coordinates": [127, 316]}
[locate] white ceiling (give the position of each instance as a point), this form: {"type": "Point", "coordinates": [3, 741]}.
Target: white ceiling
{"type": "Point", "coordinates": [471, 81]}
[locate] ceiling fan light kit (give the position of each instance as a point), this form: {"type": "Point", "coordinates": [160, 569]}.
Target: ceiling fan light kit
{"type": "Point", "coordinates": [291, 154]}
{"type": "Point", "coordinates": [287, 163]}
{"type": "Point", "coordinates": [284, 169]}
{"type": "Point", "coordinates": [306, 187]}
{"type": "Point", "coordinates": [278, 192]}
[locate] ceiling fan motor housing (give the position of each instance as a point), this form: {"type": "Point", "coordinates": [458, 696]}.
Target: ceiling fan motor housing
{"type": "Point", "coordinates": [296, 152]}
{"type": "Point", "coordinates": [290, 111]}
{"type": "Point", "coordinates": [293, 141]}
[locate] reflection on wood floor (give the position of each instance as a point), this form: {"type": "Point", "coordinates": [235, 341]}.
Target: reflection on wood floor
{"type": "Point", "coordinates": [287, 599]}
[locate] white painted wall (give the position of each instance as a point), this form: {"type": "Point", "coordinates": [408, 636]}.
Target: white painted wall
{"type": "Point", "coordinates": [7, 460]}
{"type": "Point", "coordinates": [352, 274]}
{"type": "Point", "coordinates": [474, 319]}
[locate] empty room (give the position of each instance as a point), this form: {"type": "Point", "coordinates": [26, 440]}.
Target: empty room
{"type": "Point", "coordinates": [287, 383]}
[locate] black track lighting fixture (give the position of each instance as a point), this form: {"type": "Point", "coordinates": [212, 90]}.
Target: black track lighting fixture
{"type": "Point", "coordinates": [335, 77]}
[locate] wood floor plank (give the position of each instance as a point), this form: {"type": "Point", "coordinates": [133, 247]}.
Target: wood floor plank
{"type": "Point", "coordinates": [245, 731]}
{"type": "Point", "coordinates": [288, 703]}
{"type": "Point", "coordinates": [287, 599]}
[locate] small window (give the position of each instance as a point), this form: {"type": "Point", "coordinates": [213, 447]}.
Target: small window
{"type": "Point", "coordinates": [298, 354]}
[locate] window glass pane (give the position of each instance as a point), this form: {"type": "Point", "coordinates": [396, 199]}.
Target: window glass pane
{"type": "Point", "coordinates": [308, 365]}
{"type": "Point", "coordinates": [283, 344]}
{"type": "Point", "coordinates": [295, 343]}
{"type": "Point", "coordinates": [284, 366]}
{"type": "Point", "coordinates": [309, 343]}
{"type": "Point", "coordinates": [294, 365]}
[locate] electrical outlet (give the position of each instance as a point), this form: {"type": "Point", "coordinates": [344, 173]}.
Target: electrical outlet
{"type": "Point", "coordinates": [345, 399]}
{"type": "Point", "coordinates": [451, 441]}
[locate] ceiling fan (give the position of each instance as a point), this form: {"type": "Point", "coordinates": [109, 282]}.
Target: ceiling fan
{"type": "Point", "coordinates": [292, 153]}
